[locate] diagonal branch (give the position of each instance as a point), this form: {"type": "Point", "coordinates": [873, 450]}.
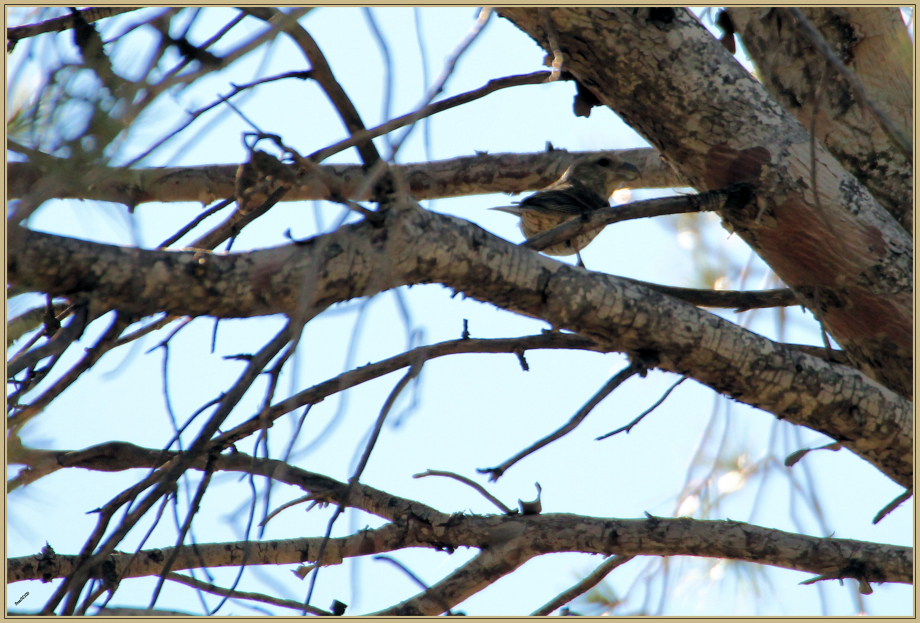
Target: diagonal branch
{"type": "Point", "coordinates": [483, 570]}
{"type": "Point", "coordinates": [60, 24]}
{"type": "Point", "coordinates": [322, 74]}
{"type": "Point", "coordinates": [424, 247]}
{"type": "Point", "coordinates": [593, 579]}
{"type": "Point", "coordinates": [618, 379]}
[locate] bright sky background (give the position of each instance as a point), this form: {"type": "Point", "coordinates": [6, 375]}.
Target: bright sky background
{"type": "Point", "coordinates": [472, 411]}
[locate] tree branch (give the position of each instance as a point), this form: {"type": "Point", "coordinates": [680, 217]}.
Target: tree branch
{"type": "Point", "coordinates": [473, 175]}
{"type": "Point", "coordinates": [717, 126]}
{"type": "Point", "coordinates": [60, 24]}
{"type": "Point", "coordinates": [424, 247]}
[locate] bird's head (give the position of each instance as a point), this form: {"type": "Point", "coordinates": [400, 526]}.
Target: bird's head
{"type": "Point", "coordinates": [601, 173]}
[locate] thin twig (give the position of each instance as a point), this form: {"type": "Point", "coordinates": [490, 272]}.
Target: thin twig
{"type": "Point", "coordinates": [739, 300]}
{"type": "Point", "coordinates": [165, 478]}
{"type": "Point", "coordinates": [387, 66]}
{"type": "Point", "coordinates": [362, 463]}
{"type": "Point", "coordinates": [711, 201]}
{"type": "Point", "coordinates": [798, 455]}
{"type": "Point", "coordinates": [352, 378]}
{"type": "Point", "coordinates": [60, 24]}
{"type": "Point", "coordinates": [633, 368]}
{"type": "Point", "coordinates": [582, 587]}
{"type": "Point", "coordinates": [471, 483]}
{"type": "Point", "coordinates": [441, 81]}
{"type": "Point", "coordinates": [55, 346]}
{"type": "Point", "coordinates": [537, 77]}
{"type": "Point", "coordinates": [629, 426]}
{"type": "Point", "coordinates": [102, 346]}
{"type": "Point", "coordinates": [224, 592]}
{"type": "Point", "coordinates": [893, 504]}
{"type": "Point", "coordinates": [323, 75]}
{"type": "Point", "coordinates": [403, 568]}
{"type": "Point", "coordinates": [195, 222]}
{"type": "Point", "coordinates": [145, 330]}
{"type": "Point", "coordinates": [194, 507]}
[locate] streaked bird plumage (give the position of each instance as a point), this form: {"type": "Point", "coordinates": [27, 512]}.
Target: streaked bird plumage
{"type": "Point", "coordinates": [584, 187]}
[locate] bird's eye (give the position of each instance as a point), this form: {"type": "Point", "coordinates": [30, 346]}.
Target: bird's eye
{"type": "Point", "coordinates": [604, 162]}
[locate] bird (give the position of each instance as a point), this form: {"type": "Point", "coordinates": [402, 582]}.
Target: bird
{"type": "Point", "coordinates": [584, 187]}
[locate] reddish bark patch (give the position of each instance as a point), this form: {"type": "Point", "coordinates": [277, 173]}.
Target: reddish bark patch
{"type": "Point", "coordinates": [797, 246]}
{"type": "Point", "coordinates": [725, 165]}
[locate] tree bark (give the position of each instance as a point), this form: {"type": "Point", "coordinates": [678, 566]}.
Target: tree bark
{"type": "Point", "coordinates": [417, 246]}
{"type": "Point", "coordinates": [668, 78]}
{"type": "Point", "coordinates": [873, 42]}
{"type": "Point", "coordinates": [456, 177]}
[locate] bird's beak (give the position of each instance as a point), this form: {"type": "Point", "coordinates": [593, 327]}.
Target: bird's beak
{"type": "Point", "coordinates": [515, 210]}
{"type": "Point", "coordinates": [627, 172]}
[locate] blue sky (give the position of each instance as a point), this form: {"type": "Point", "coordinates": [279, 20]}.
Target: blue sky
{"type": "Point", "coordinates": [472, 411]}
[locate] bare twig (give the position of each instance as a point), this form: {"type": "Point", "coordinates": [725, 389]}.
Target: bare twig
{"type": "Point", "coordinates": [441, 81]}
{"type": "Point", "coordinates": [323, 75]}
{"type": "Point", "coordinates": [353, 378]}
{"type": "Point", "coordinates": [797, 456]}
{"type": "Point", "coordinates": [92, 556]}
{"type": "Point", "coordinates": [225, 592]}
{"type": "Point", "coordinates": [893, 504]}
{"type": "Point", "coordinates": [712, 201]}
{"type": "Point", "coordinates": [150, 328]}
{"type": "Point", "coordinates": [485, 568]}
{"type": "Point", "coordinates": [387, 65]}
{"type": "Point", "coordinates": [60, 24]}
{"type": "Point", "coordinates": [29, 321]}
{"type": "Point", "coordinates": [593, 579]}
{"type": "Point", "coordinates": [633, 368]}
{"type": "Point", "coordinates": [629, 426]}
{"type": "Point", "coordinates": [55, 346]}
{"type": "Point", "coordinates": [362, 463]}
{"type": "Point", "coordinates": [183, 531]}
{"type": "Point", "coordinates": [105, 343]}
{"type": "Point", "coordinates": [471, 483]}
{"type": "Point", "coordinates": [740, 300]}
{"type": "Point", "coordinates": [403, 568]}
{"type": "Point", "coordinates": [537, 77]}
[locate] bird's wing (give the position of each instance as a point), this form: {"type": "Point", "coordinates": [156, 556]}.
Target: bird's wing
{"type": "Point", "coordinates": [577, 199]}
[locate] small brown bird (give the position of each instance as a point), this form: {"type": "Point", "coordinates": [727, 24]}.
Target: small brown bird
{"type": "Point", "coordinates": [584, 187]}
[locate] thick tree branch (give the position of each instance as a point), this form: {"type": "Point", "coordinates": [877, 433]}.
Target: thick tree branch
{"type": "Point", "coordinates": [424, 247]}
{"type": "Point", "coordinates": [875, 44]}
{"type": "Point", "coordinates": [473, 175]}
{"type": "Point", "coordinates": [506, 541]}
{"type": "Point", "coordinates": [513, 540]}
{"type": "Point", "coordinates": [831, 242]}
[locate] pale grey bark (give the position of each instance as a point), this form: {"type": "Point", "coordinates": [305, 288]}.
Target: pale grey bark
{"type": "Point", "coordinates": [416, 246]}
{"type": "Point", "coordinates": [457, 177]}
{"type": "Point", "coordinates": [672, 81]}
{"type": "Point", "coordinates": [873, 42]}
